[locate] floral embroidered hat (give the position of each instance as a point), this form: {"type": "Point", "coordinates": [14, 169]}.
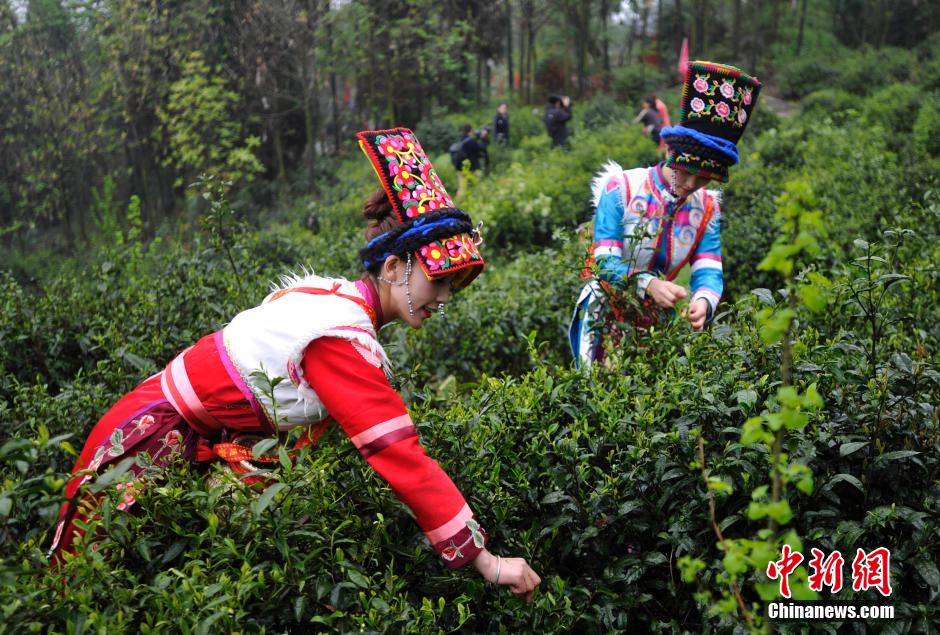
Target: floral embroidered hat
{"type": "Point", "coordinates": [717, 102]}
{"type": "Point", "coordinates": [439, 235]}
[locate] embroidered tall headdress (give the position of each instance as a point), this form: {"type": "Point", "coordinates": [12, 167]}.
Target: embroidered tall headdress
{"type": "Point", "coordinates": [439, 235]}
{"type": "Point", "coordinates": [717, 102]}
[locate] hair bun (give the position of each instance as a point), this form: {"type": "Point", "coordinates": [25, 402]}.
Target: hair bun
{"type": "Point", "coordinates": [377, 207]}
{"type": "Point", "coordinates": [378, 210]}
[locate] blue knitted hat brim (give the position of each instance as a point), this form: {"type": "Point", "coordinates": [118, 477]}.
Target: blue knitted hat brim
{"type": "Point", "coordinates": [726, 148]}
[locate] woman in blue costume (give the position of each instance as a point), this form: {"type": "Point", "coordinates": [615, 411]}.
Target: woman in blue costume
{"type": "Point", "coordinates": [651, 222]}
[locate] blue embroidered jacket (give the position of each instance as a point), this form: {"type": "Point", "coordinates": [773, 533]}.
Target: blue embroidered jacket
{"type": "Point", "coordinates": [639, 234]}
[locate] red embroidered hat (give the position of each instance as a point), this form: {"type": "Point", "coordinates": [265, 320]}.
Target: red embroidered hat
{"type": "Point", "coordinates": [442, 235]}
{"type": "Point", "coordinates": [717, 102]}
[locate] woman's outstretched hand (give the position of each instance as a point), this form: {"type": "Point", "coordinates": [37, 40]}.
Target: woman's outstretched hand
{"type": "Point", "coordinates": [665, 293]}
{"type": "Point", "coordinates": [513, 572]}
{"type": "Point", "coordinates": [696, 314]}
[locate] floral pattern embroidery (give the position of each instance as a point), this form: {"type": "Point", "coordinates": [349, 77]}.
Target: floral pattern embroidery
{"type": "Point", "coordinates": [441, 255]}
{"type": "Point", "coordinates": [414, 188]}
{"type": "Point", "coordinates": [731, 111]}
{"type": "Point", "coordinates": [685, 157]}
{"type": "Point", "coordinates": [412, 177]}
{"type": "Point", "coordinates": [453, 551]}
{"type": "Point", "coordinates": [98, 458]}
{"type": "Point", "coordinates": [140, 426]}
{"type": "Point", "coordinates": [701, 84]}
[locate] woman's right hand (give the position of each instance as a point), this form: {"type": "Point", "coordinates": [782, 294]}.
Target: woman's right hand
{"type": "Point", "coordinates": [665, 293]}
{"type": "Point", "coordinates": [513, 572]}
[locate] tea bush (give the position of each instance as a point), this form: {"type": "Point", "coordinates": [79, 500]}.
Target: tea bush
{"type": "Point", "coordinates": [631, 83]}
{"type": "Point", "coordinates": [597, 479]}
{"type": "Point", "coordinates": [835, 104]}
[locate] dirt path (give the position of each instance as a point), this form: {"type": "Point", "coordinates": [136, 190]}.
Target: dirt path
{"type": "Point", "coordinates": [779, 107]}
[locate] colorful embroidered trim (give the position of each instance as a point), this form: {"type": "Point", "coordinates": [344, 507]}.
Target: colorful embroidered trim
{"type": "Point", "coordinates": [406, 173]}
{"type": "Point", "coordinates": [675, 135]}
{"type": "Point", "coordinates": [414, 190]}
{"type": "Point", "coordinates": [731, 95]}
{"type": "Point", "coordinates": [453, 551]}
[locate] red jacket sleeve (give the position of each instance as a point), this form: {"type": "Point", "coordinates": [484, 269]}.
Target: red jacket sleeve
{"type": "Point", "coordinates": [350, 382]}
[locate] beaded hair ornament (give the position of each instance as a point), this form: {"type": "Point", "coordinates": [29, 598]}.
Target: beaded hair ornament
{"type": "Point", "coordinates": [439, 236]}
{"type": "Point", "coordinates": [717, 102]}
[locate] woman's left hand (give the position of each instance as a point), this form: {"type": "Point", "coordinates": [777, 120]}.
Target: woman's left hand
{"type": "Point", "coordinates": [696, 314]}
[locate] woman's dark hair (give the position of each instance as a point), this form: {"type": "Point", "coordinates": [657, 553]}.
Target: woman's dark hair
{"type": "Point", "coordinates": [378, 211]}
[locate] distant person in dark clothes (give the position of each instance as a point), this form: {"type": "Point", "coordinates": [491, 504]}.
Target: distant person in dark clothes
{"type": "Point", "coordinates": [469, 149]}
{"type": "Point", "coordinates": [557, 114]}
{"type": "Point", "coordinates": [501, 124]}
{"type": "Point", "coordinates": [651, 120]}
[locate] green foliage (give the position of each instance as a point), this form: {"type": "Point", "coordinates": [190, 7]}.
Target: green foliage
{"type": "Point", "coordinates": [859, 72]}
{"type": "Point", "coordinates": [604, 111]}
{"type": "Point", "coordinates": [895, 108]}
{"type": "Point", "coordinates": [203, 134]}
{"type": "Point", "coordinates": [544, 190]}
{"type": "Point", "coordinates": [835, 104]}
{"type": "Point", "coordinates": [633, 82]}
{"type": "Point", "coordinates": [437, 135]}
{"type": "Point", "coordinates": [926, 132]}
{"type": "Point", "coordinates": [820, 376]}
{"type": "Point", "coordinates": [806, 75]}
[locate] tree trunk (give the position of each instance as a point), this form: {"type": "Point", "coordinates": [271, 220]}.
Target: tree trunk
{"type": "Point", "coordinates": [605, 43]}
{"type": "Point", "coordinates": [278, 151]}
{"type": "Point", "coordinates": [523, 57]}
{"type": "Point", "coordinates": [659, 33]}
{"type": "Point", "coordinates": [644, 22]}
{"type": "Point", "coordinates": [736, 29]}
{"type": "Point", "coordinates": [799, 36]}
{"type": "Point", "coordinates": [479, 82]}
{"type": "Point", "coordinates": [334, 105]}
{"type": "Point", "coordinates": [631, 38]}
{"type": "Point", "coordinates": [311, 114]}
{"type": "Point", "coordinates": [774, 22]}
{"type": "Point", "coordinates": [487, 80]}
{"type": "Point", "coordinates": [531, 50]}
{"type": "Point", "coordinates": [509, 69]}
{"type": "Point", "coordinates": [582, 15]}
{"type": "Point", "coordinates": [680, 26]}
{"type": "Point", "coordinates": [758, 31]}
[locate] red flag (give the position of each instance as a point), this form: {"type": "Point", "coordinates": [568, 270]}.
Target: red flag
{"type": "Point", "coordinates": [684, 59]}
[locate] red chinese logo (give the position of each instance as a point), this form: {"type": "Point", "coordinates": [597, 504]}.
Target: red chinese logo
{"type": "Point", "coordinates": [872, 569]}
{"type": "Point", "coordinates": [783, 568]}
{"type": "Point", "coordinates": [826, 572]}
{"type": "Point", "coordinates": [869, 570]}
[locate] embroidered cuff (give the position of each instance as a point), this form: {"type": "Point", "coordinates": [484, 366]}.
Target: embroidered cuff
{"type": "Point", "coordinates": [642, 281]}
{"type": "Point", "coordinates": [464, 546]}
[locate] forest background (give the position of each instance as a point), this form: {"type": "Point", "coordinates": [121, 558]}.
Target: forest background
{"type": "Point", "coordinates": [162, 162]}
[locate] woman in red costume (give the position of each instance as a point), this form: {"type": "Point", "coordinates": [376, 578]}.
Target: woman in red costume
{"type": "Point", "coordinates": [320, 336]}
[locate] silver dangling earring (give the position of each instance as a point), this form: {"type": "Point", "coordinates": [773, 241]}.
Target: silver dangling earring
{"type": "Point", "coordinates": [403, 283]}
{"type": "Point", "coordinates": [440, 309]}
{"type": "Point", "coordinates": [411, 309]}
